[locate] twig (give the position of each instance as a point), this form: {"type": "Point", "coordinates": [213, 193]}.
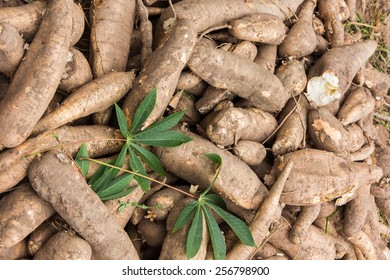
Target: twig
{"type": "Point", "coordinates": [280, 125]}
{"type": "Point", "coordinates": [382, 117]}
{"type": "Point", "coordinates": [266, 240]}
{"type": "Point", "coordinates": [140, 175]}
{"type": "Point", "coordinates": [173, 9]}
{"type": "Point", "coordinates": [360, 24]}
{"type": "Point", "coordinates": [68, 154]}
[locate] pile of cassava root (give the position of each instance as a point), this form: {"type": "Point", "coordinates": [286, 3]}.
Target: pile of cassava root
{"type": "Point", "coordinates": [277, 88]}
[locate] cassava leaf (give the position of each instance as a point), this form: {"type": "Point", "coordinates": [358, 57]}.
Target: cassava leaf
{"type": "Point", "coordinates": [216, 236]}
{"type": "Point", "coordinates": [119, 162]}
{"type": "Point", "coordinates": [99, 172]}
{"type": "Point", "coordinates": [168, 138]}
{"type": "Point", "coordinates": [102, 181]}
{"type": "Point", "coordinates": [83, 164]}
{"type": "Point", "coordinates": [239, 227]}
{"type": "Point", "coordinates": [166, 123]}
{"type": "Point", "coordinates": [215, 199]}
{"type": "Point", "coordinates": [194, 237]}
{"type": "Point", "coordinates": [122, 121]}
{"type": "Point", "coordinates": [143, 111]}
{"type": "Point", "coordinates": [150, 159]}
{"type": "Point", "coordinates": [214, 158]}
{"type": "Point", "coordinates": [185, 216]}
{"type": "Point", "coordinates": [117, 185]}
{"type": "Point", "coordinates": [136, 166]}
{"type": "Point", "coordinates": [119, 195]}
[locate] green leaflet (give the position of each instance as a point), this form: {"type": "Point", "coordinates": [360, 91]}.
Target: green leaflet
{"type": "Point", "coordinates": [116, 185]}
{"type": "Point", "coordinates": [150, 159]}
{"type": "Point", "coordinates": [185, 215]}
{"type": "Point", "coordinates": [143, 111]}
{"type": "Point", "coordinates": [168, 138]}
{"type": "Point", "coordinates": [238, 226]}
{"type": "Point", "coordinates": [136, 165]}
{"type": "Point", "coordinates": [83, 164]}
{"type": "Point", "coordinates": [166, 123]}
{"type": "Point", "coordinates": [119, 195]}
{"type": "Point", "coordinates": [216, 236]}
{"type": "Point", "coordinates": [122, 121]}
{"type": "Point", "coordinates": [214, 199]}
{"type": "Point", "coordinates": [194, 237]}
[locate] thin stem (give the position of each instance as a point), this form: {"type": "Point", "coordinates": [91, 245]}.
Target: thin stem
{"type": "Point", "coordinates": [140, 175]}
{"type": "Point", "coordinates": [67, 153]}
{"type": "Point", "coordinates": [212, 183]}
{"type": "Point", "coordinates": [360, 24]}
{"type": "Point", "coordinates": [172, 8]}
{"type": "Point", "coordinates": [280, 125]}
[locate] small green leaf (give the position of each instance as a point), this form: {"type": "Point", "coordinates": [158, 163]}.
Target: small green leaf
{"type": "Point", "coordinates": [239, 227]}
{"type": "Point", "coordinates": [216, 236]}
{"type": "Point", "coordinates": [123, 205]}
{"type": "Point", "coordinates": [119, 162]}
{"type": "Point", "coordinates": [143, 111]}
{"type": "Point", "coordinates": [83, 164]}
{"type": "Point", "coordinates": [121, 208]}
{"type": "Point", "coordinates": [150, 159]}
{"type": "Point", "coordinates": [194, 237]}
{"type": "Point", "coordinates": [119, 195]}
{"type": "Point", "coordinates": [166, 123]}
{"type": "Point", "coordinates": [215, 199]}
{"type": "Point", "coordinates": [122, 121]}
{"type": "Point", "coordinates": [168, 138]}
{"type": "Point", "coordinates": [116, 185]}
{"type": "Point", "coordinates": [185, 216]}
{"type": "Point", "coordinates": [99, 173]}
{"type": "Point", "coordinates": [136, 166]}
{"type": "Point", "coordinates": [102, 182]}
{"type": "Point", "coordinates": [215, 158]}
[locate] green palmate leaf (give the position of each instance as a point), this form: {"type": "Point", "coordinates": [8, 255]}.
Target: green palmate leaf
{"type": "Point", "coordinates": [239, 227]}
{"type": "Point", "coordinates": [136, 166]}
{"type": "Point", "coordinates": [102, 181]}
{"type": "Point", "coordinates": [116, 185]}
{"type": "Point", "coordinates": [194, 237]}
{"type": "Point", "coordinates": [122, 121]}
{"type": "Point", "coordinates": [119, 195]}
{"type": "Point", "coordinates": [215, 199]}
{"type": "Point", "coordinates": [143, 111]}
{"type": "Point", "coordinates": [83, 164]}
{"type": "Point", "coordinates": [185, 216]}
{"type": "Point", "coordinates": [168, 138]}
{"type": "Point", "coordinates": [119, 162]}
{"type": "Point", "coordinates": [217, 239]}
{"type": "Point", "coordinates": [214, 158]}
{"type": "Point", "coordinates": [166, 123]}
{"type": "Point", "coordinates": [150, 159]}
